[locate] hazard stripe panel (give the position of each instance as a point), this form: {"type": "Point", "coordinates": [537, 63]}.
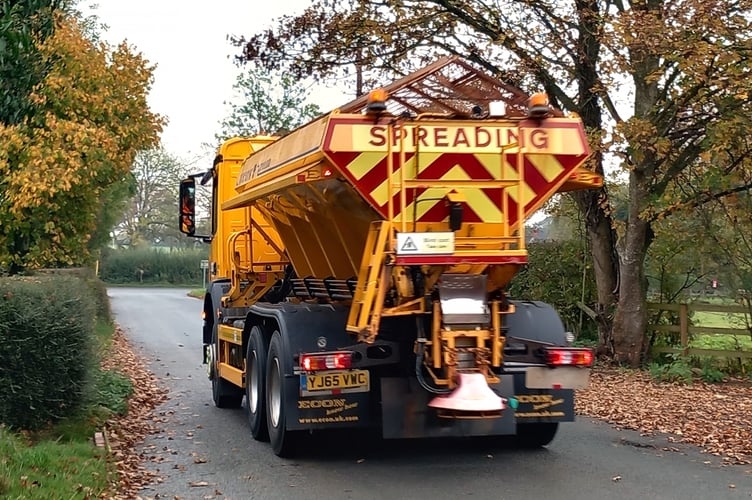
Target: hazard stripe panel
{"type": "Point", "coordinates": [530, 160]}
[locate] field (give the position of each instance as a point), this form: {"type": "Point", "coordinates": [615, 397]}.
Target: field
{"type": "Point", "coordinates": [740, 341]}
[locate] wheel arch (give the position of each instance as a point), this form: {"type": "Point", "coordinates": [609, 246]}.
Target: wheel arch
{"type": "Point", "coordinates": [536, 320]}
{"type": "Point", "coordinates": [267, 325]}
{"type": "Point", "coordinates": [212, 301]}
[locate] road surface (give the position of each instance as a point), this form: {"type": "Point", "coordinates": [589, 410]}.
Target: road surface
{"type": "Point", "coordinates": [203, 452]}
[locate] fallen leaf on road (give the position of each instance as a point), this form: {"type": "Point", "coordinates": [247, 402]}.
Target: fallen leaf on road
{"type": "Point", "coordinates": [125, 432]}
{"type": "Point", "coordinates": [631, 399]}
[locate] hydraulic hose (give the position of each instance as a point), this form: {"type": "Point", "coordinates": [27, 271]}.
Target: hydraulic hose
{"type": "Point", "coordinates": [419, 363]}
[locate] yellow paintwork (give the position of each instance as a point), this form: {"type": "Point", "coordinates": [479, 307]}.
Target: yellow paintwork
{"type": "Point", "coordinates": [238, 243]}
{"type": "Point", "coordinates": [229, 338]}
{"type": "Point", "coordinates": [230, 334]}
{"type": "Point", "coordinates": [232, 374]}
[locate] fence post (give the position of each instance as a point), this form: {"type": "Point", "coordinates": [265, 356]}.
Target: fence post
{"type": "Point", "coordinates": [684, 328]}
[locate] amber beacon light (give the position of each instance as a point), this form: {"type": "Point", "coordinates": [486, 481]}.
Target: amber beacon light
{"type": "Point", "coordinates": [537, 105]}
{"type": "Point", "coordinates": [377, 101]}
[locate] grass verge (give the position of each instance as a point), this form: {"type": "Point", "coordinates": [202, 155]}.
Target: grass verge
{"type": "Point", "coordinates": [62, 462]}
{"type": "Point", "coordinates": [51, 468]}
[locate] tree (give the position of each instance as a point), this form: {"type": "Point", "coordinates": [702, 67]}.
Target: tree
{"type": "Point", "coordinates": [267, 103]}
{"type": "Point", "coordinates": [682, 68]}
{"type": "Point", "coordinates": [728, 226]}
{"type": "Point", "coordinates": [151, 215]}
{"type": "Point", "coordinates": [61, 166]}
{"type": "Point", "coordinates": [22, 24]}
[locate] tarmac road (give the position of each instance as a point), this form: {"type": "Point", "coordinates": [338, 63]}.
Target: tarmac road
{"type": "Point", "coordinates": [203, 452]}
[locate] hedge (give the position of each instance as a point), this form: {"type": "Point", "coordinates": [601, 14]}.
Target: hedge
{"type": "Point", "coordinates": [46, 346]}
{"type": "Point", "coordinates": [153, 266]}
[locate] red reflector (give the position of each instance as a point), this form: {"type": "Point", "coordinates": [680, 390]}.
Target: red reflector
{"type": "Point", "coordinates": [327, 172]}
{"type": "Point", "coordinates": [326, 361]}
{"type": "Point", "coordinates": [564, 357]}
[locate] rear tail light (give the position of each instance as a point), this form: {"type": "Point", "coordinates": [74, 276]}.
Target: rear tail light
{"type": "Point", "coordinates": [341, 360]}
{"type": "Point", "coordinates": [569, 356]}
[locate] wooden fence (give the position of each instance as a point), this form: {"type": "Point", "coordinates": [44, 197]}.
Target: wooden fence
{"type": "Point", "coordinates": [684, 329]}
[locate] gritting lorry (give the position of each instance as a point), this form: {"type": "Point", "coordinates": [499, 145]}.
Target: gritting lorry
{"type": "Point", "coordinates": [358, 265]}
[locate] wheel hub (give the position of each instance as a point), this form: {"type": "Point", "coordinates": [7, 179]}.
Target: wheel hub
{"type": "Point", "coordinates": [275, 394]}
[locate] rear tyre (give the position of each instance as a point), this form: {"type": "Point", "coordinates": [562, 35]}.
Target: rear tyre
{"type": "Point", "coordinates": [535, 435]}
{"type": "Point", "coordinates": [282, 440]}
{"type": "Point", "coordinates": [224, 393]}
{"type": "Point", "coordinates": [255, 382]}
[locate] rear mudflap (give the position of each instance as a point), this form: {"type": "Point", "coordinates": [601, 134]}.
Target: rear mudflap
{"type": "Point", "coordinates": [405, 412]}
{"type": "Point", "coordinates": [333, 410]}
{"type": "Point", "coordinates": [542, 405]}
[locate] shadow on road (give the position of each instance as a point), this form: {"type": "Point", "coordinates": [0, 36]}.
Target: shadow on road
{"type": "Point", "coordinates": [335, 446]}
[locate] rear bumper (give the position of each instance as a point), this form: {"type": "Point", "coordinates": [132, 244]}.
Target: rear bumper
{"type": "Point", "coordinates": [400, 406]}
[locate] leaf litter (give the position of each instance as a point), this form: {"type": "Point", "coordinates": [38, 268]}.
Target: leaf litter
{"type": "Point", "coordinates": [126, 432]}
{"type": "Point", "coordinates": [715, 417]}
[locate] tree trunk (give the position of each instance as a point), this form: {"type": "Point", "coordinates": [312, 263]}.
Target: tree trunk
{"type": "Point", "coordinates": [603, 251]}
{"type": "Point", "coordinates": [631, 318]}
{"type": "Point", "coordinates": [593, 204]}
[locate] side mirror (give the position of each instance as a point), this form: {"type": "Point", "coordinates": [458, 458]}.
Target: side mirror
{"type": "Point", "coordinates": [187, 214]}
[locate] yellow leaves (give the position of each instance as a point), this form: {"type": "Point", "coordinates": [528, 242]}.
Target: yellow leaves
{"type": "Point", "coordinates": [56, 167]}
{"type": "Point", "coordinates": [645, 143]}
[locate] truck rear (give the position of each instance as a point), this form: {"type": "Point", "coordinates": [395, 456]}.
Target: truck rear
{"type": "Point", "coordinates": [359, 266]}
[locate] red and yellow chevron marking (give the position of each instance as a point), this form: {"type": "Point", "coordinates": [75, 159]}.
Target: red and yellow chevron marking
{"type": "Point", "coordinates": [456, 151]}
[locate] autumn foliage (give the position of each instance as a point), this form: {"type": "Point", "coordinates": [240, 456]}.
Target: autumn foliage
{"type": "Point", "coordinates": [63, 167]}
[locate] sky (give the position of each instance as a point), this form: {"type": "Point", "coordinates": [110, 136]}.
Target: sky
{"type": "Point", "coordinates": [194, 75]}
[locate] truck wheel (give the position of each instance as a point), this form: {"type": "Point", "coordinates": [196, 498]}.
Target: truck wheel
{"type": "Point", "coordinates": [255, 381]}
{"type": "Point", "coordinates": [282, 440]}
{"type": "Point", "coordinates": [535, 435]}
{"type": "Point", "coordinates": [225, 394]}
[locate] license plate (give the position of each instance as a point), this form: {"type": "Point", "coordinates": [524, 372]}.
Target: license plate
{"type": "Point", "coordinates": [336, 380]}
{"type": "Point", "coordinates": [562, 377]}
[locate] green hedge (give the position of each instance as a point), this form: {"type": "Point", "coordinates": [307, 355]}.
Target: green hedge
{"type": "Point", "coordinates": [153, 266]}
{"type": "Point", "coordinates": [46, 347]}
